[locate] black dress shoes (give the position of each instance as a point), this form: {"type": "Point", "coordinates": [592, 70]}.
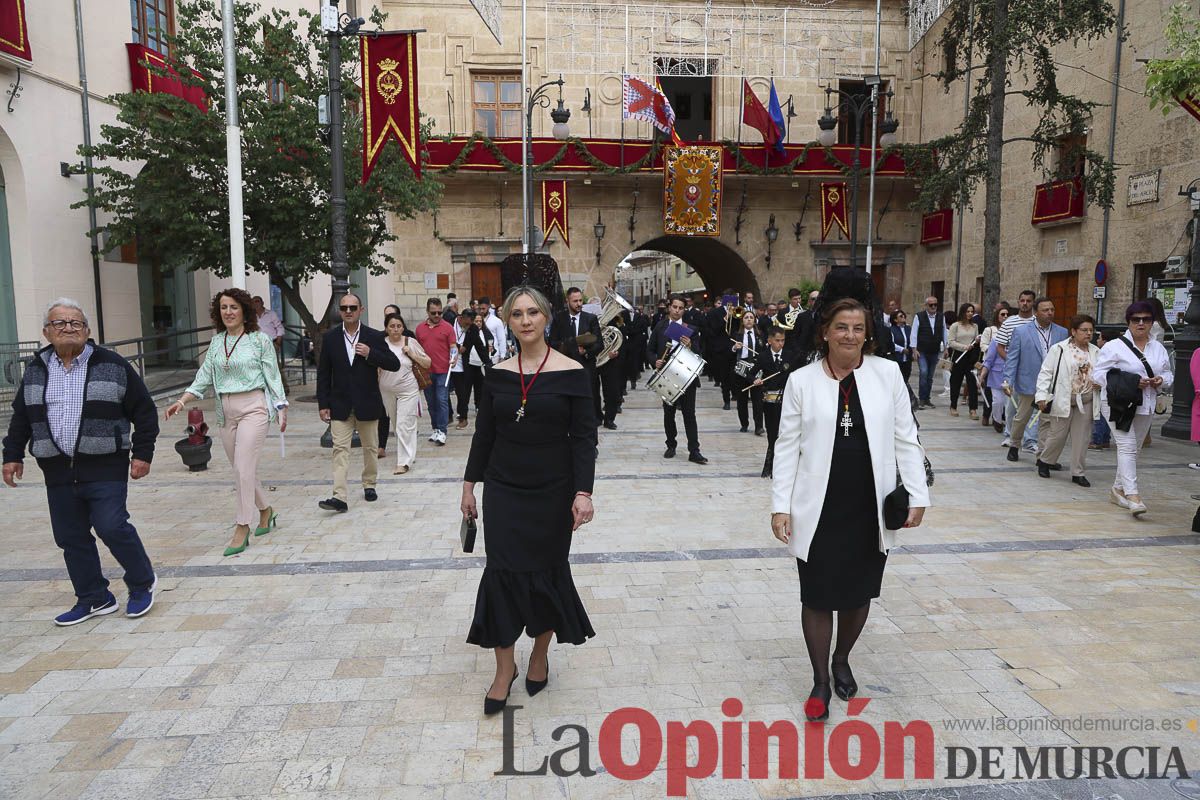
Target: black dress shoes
{"type": "Point", "coordinates": [1012, 454]}
{"type": "Point", "coordinates": [844, 684]}
{"type": "Point", "coordinates": [533, 687]}
{"type": "Point", "coordinates": [1081, 480]}
{"type": "Point", "coordinates": [333, 504]}
{"type": "Point", "coordinates": [491, 706]}
{"type": "Point", "coordinates": [744, 429]}
{"type": "Point", "coordinates": [369, 495]}
{"type": "Point", "coordinates": [696, 458]}
{"type": "Point", "coordinates": [760, 431]}
{"type": "Point", "coordinates": [1043, 469]}
{"type": "Point", "coordinates": [610, 426]}
{"type": "Point", "coordinates": [726, 406]}
{"type": "Point", "coordinates": [669, 453]}
{"type": "Point", "coordinates": [816, 707]}
{"type": "Point", "coordinates": [1056, 467]}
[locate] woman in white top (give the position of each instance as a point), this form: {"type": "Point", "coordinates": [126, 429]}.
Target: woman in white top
{"type": "Point", "coordinates": [400, 391]}
{"type": "Point", "coordinates": [1069, 397]}
{"type": "Point", "coordinates": [1126, 353]}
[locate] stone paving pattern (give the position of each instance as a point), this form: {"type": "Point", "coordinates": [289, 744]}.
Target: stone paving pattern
{"type": "Point", "coordinates": [352, 680]}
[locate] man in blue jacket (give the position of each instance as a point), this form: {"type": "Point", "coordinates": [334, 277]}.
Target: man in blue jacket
{"type": "Point", "coordinates": [1026, 352]}
{"type": "Point", "coordinates": [88, 419]}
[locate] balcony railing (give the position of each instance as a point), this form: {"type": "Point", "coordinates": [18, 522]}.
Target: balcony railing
{"type": "Point", "coordinates": [1059, 203]}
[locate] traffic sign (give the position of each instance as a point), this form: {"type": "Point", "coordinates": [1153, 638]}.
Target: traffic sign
{"type": "Point", "coordinates": [1098, 292]}
{"type": "Point", "coordinates": [1101, 272]}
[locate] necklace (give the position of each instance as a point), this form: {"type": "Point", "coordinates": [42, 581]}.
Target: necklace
{"type": "Point", "coordinates": [229, 350]}
{"type": "Point", "coordinates": [525, 389]}
{"type": "Point", "coordinates": [847, 423]}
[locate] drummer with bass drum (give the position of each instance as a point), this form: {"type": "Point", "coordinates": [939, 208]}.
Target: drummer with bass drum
{"type": "Point", "coordinates": [658, 351]}
{"type": "Point", "coordinates": [770, 377]}
{"type": "Point", "coordinates": [747, 346]}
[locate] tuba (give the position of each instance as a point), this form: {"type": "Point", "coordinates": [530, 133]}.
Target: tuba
{"type": "Point", "coordinates": [611, 334]}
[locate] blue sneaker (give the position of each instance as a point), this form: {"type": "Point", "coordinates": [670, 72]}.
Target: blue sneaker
{"type": "Point", "coordinates": [85, 611]}
{"type": "Point", "coordinates": [141, 601]}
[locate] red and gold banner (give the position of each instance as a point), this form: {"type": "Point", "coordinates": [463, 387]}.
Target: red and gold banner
{"type": "Point", "coordinates": [833, 208]}
{"type": "Point", "coordinates": [936, 227]}
{"type": "Point", "coordinates": [147, 80]}
{"type": "Point", "coordinates": [1192, 104]}
{"type": "Point", "coordinates": [14, 34]}
{"type": "Point", "coordinates": [554, 210]}
{"type": "Point", "coordinates": [1059, 201]}
{"type": "Point", "coordinates": [389, 82]}
{"type": "Point", "coordinates": [692, 191]}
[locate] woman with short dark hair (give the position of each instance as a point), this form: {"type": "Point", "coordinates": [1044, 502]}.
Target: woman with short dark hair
{"type": "Point", "coordinates": [898, 323]}
{"type": "Point", "coordinates": [847, 439]}
{"type": "Point", "coordinates": [1069, 398]}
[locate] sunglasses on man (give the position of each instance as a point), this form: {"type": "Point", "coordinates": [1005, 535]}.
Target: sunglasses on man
{"type": "Point", "coordinates": [347, 309]}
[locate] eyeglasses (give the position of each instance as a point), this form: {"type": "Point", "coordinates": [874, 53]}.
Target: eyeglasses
{"type": "Point", "coordinates": [347, 309]}
{"type": "Point", "coordinates": [63, 324]}
{"type": "Point", "coordinates": [931, 305]}
{"type": "Point", "coordinates": [1141, 320]}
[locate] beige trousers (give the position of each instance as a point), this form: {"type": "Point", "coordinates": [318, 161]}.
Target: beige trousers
{"type": "Point", "coordinates": [402, 408]}
{"type": "Point", "coordinates": [242, 436]}
{"type": "Point", "coordinates": [343, 434]}
{"type": "Point", "coordinates": [1079, 426]}
{"type": "Point", "coordinates": [1025, 411]}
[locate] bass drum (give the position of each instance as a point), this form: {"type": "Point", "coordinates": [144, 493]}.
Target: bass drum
{"type": "Point", "coordinates": [681, 368]}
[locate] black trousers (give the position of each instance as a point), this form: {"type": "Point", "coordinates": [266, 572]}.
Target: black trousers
{"type": "Point", "coordinates": [771, 414]}
{"type": "Point", "coordinates": [461, 381]}
{"type": "Point", "coordinates": [612, 383]}
{"type": "Point", "coordinates": [687, 404]}
{"type": "Point", "coordinates": [475, 377]}
{"type": "Point", "coordinates": [906, 368]}
{"type": "Point", "coordinates": [746, 401]}
{"type": "Point", "coordinates": [724, 368]}
{"type": "Point", "coordinates": [959, 370]}
{"type": "Point", "coordinates": [594, 379]}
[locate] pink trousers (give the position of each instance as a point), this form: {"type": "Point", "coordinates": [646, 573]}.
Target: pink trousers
{"type": "Point", "coordinates": [243, 435]}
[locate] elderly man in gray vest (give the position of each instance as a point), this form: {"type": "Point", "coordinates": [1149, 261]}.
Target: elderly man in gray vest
{"type": "Point", "coordinates": [88, 419]}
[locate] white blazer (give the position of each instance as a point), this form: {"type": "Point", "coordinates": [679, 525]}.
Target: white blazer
{"type": "Point", "coordinates": [1060, 361]}
{"type": "Point", "coordinates": [807, 425]}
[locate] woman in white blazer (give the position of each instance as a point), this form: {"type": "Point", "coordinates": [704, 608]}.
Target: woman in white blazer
{"type": "Point", "coordinates": [846, 433]}
{"type": "Point", "coordinates": [1068, 395]}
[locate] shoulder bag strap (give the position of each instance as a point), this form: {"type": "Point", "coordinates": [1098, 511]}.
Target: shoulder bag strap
{"type": "Point", "coordinates": [1138, 353]}
{"type": "Point", "coordinates": [1054, 383]}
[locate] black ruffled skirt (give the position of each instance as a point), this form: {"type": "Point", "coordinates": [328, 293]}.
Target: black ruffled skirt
{"type": "Point", "coordinates": [534, 602]}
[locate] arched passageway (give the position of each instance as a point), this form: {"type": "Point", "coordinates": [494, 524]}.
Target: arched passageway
{"type": "Point", "coordinates": [717, 265]}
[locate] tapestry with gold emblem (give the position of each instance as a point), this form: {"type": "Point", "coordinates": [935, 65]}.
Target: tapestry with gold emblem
{"type": "Point", "coordinates": [389, 81]}
{"type": "Point", "coordinates": [692, 190]}
{"type": "Point", "coordinates": [833, 208]}
{"type": "Point", "coordinates": [554, 210]}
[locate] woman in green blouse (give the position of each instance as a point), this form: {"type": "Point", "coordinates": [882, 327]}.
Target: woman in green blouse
{"type": "Point", "coordinates": [240, 368]}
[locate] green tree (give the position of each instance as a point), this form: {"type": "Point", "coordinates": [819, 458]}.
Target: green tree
{"type": "Point", "coordinates": [1006, 47]}
{"type": "Point", "coordinates": [161, 170]}
{"type": "Point", "coordinates": [1169, 79]}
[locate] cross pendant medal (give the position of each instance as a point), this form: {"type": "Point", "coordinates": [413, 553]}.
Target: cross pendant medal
{"type": "Point", "coordinates": [521, 411]}
{"type": "Point", "coordinates": [846, 422]}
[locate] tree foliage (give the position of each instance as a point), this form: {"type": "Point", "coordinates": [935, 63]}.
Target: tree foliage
{"type": "Point", "coordinates": [1169, 79]}
{"type": "Point", "coordinates": [161, 170]}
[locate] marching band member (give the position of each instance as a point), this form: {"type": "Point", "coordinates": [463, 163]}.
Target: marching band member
{"type": "Point", "coordinates": [747, 346]}
{"type": "Point", "coordinates": [770, 376]}
{"type": "Point", "coordinates": [687, 402]}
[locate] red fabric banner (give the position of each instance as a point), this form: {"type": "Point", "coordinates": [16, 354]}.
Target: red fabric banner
{"type": "Point", "coordinates": [1192, 104]}
{"type": "Point", "coordinates": [833, 208]}
{"type": "Point", "coordinates": [389, 82]}
{"type": "Point", "coordinates": [692, 185]}
{"type": "Point", "coordinates": [936, 227]}
{"type": "Point", "coordinates": [1059, 201]}
{"type": "Point", "coordinates": [146, 80]}
{"type": "Point", "coordinates": [611, 154]}
{"type": "Point", "coordinates": [755, 114]}
{"type": "Point", "coordinates": [554, 210]}
{"type": "Point", "coordinates": [14, 35]}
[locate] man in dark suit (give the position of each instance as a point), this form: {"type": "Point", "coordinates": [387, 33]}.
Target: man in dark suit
{"type": "Point", "coordinates": [748, 344]}
{"type": "Point", "coordinates": [348, 395]}
{"type": "Point", "coordinates": [797, 325]}
{"type": "Point", "coordinates": [770, 377]}
{"type": "Point", "coordinates": [568, 325]}
{"type": "Point", "coordinates": [687, 402]}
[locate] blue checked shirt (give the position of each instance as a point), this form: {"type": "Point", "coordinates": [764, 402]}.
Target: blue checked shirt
{"type": "Point", "coordinates": [64, 398]}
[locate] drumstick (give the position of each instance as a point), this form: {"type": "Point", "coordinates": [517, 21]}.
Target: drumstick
{"type": "Point", "coordinates": [739, 344]}
{"type": "Point", "coordinates": [772, 375]}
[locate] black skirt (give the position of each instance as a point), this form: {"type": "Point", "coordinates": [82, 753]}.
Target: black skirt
{"type": "Point", "coordinates": [844, 569]}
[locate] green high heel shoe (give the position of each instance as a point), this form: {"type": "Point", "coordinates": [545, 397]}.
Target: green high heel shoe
{"type": "Point", "coordinates": [270, 523]}
{"type": "Point", "coordinates": [233, 551]}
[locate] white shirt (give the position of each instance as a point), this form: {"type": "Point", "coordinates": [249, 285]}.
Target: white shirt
{"type": "Point", "coordinates": [270, 324]}
{"type": "Point", "coordinates": [1014, 321]}
{"type": "Point", "coordinates": [456, 355]}
{"type": "Point", "coordinates": [351, 339]}
{"type": "Point", "coordinates": [494, 325]}
{"type": "Point", "coordinates": [1115, 355]}
{"type": "Point", "coordinates": [916, 326]}
{"type": "Point", "coordinates": [745, 351]}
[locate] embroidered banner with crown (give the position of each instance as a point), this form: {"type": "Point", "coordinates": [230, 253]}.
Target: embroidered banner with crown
{"type": "Point", "coordinates": [554, 210]}
{"type": "Point", "coordinates": [692, 190]}
{"type": "Point", "coordinates": [389, 81]}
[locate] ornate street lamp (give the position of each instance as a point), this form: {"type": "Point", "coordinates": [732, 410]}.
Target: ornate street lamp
{"type": "Point", "coordinates": [772, 233]}
{"type": "Point", "coordinates": [560, 115]}
{"type": "Point", "coordinates": [598, 231]}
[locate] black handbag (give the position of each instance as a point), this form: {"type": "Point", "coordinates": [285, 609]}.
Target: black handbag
{"type": "Point", "coordinates": [895, 506]}
{"type": "Point", "coordinates": [466, 534]}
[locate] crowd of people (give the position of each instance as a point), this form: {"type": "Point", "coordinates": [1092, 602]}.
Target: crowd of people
{"type": "Point", "coordinates": [826, 381]}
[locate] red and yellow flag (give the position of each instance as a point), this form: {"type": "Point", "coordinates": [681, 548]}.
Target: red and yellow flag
{"type": "Point", "coordinates": [1191, 103]}
{"type": "Point", "coordinates": [389, 82]}
{"type": "Point", "coordinates": [554, 210]}
{"type": "Point", "coordinates": [833, 208]}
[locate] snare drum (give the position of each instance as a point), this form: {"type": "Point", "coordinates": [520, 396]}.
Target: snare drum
{"type": "Point", "coordinates": [681, 368]}
{"type": "Point", "coordinates": [743, 369]}
{"type": "Point", "coordinates": [775, 396]}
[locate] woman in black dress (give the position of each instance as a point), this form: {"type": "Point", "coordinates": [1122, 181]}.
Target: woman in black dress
{"type": "Point", "coordinates": [846, 436]}
{"type": "Point", "coordinates": [535, 451]}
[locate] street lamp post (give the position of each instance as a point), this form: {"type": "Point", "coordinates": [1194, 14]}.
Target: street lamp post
{"type": "Point", "coordinates": [1179, 426]}
{"type": "Point", "coordinates": [339, 266]}
{"type": "Point", "coordinates": [539, 97]}
{"type": "Point", "coordinates": [856, 106]}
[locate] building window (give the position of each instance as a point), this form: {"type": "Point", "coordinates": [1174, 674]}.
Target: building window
{"type": "Point", "coordinates": [497, 103]}
{"type": "Point", "coordinates": [152, 21]}
{"type": "Point", "coordinates": [861, 94]}
{"type": "Point", "coordinates": [1069, 155]}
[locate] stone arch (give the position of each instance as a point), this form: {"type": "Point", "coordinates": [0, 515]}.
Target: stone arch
{"type": "Point", "coordinates": [719, 266]}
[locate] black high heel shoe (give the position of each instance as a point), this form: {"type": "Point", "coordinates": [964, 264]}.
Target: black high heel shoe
{"type": "Point", "coordinates": [816, 707]}
{"type": "Point", "coordinates": [533, 687]}
{"type": "Point", "coordinates": [492, 706]}
{"type": "Point", "coordinates": [844, 689]}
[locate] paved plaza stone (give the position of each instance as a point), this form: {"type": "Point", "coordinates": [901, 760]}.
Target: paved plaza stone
{"type": "Point", "coordinates": [328, 660]}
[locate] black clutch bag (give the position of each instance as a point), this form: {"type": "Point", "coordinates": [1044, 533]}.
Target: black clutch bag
{"type": "Point", "coordinates": [466, 534]}
{"type": "Point", "coordinates": [895, 507]}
